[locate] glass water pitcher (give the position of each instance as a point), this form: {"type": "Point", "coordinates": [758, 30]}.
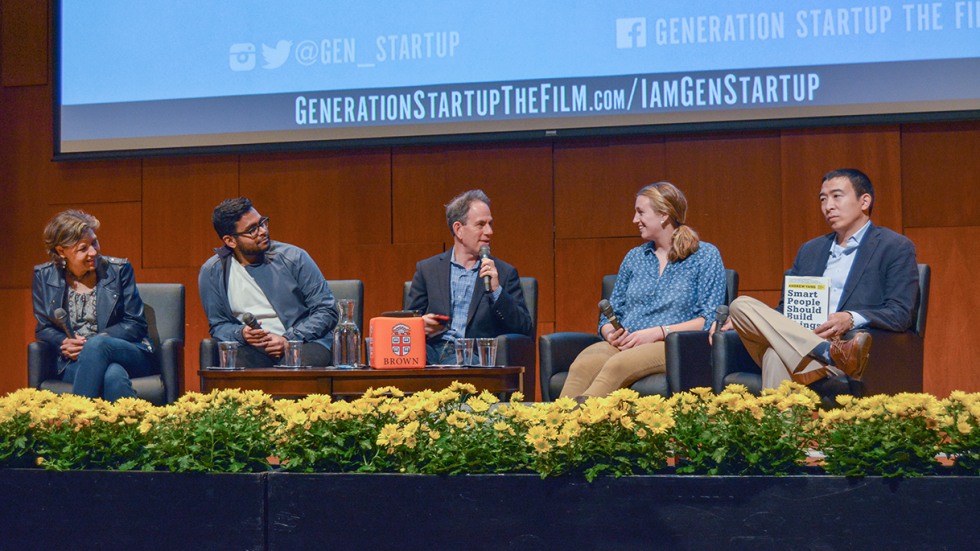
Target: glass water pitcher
{"type": "Point", "coordinates": [346, 337]}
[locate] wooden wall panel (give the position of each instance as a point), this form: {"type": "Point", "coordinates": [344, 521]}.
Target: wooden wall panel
{"type": "Point", "coordinates": [178, 197]}
{"type": "Point", "coordinates": [580, 265]}
{"type": "Point", "coordinates": [951, 346]}
{"type": "Point", "coordinates": [23, 42]}
{"type": "Point", "coordinates": [26, 158]}
{"type": "Point", "coordinates": [809, 154]}
{"type": "Point", "coordinates": [323, 202]}
{"type": "Point", "coordinates": [596, 183]}
{"type": "Point", "coordinates": [338, 196]}
{"type": "Point", "coordinates": [119, 231]}
{"type": "Point", "coordinates": [79, 183]}
{"type": "Point", "coordinates": [384, 269]}
{"type": "Point", "coordinates": [15, 305]}
{"type": "Point", "coordinates": [941, 174]}
{"type": "Point", "coordinates": [733, 192]}
{"type": "Point", "coordinates": [518, 180]}
{"type": "Point", "coordinates": [768, 297]}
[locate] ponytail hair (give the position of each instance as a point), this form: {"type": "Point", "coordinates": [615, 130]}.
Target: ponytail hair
{"type": "Point", "coordinates": [667, 199]}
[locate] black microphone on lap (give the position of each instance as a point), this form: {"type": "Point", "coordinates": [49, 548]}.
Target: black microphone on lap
{"type": "Point", "coordinates": [60, 318]}
{"type": "Point", "coordinates": [248, 319]}
{"type": "Point", "coordinates": [607, 311]}
{"type": "Point", "coordinates": [721, 316]}
{"type": "Point", "coordinates": [484, 253]}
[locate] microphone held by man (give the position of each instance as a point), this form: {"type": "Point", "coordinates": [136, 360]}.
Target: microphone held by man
{"type": "Point", "coordinates": [484, 254]}
{"type": "Point", "coordinates": [248, 319]}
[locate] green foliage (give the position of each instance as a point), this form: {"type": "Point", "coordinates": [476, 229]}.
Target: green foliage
{"type": "Point", "coordinates": [889, 436]}
{"type": "Point", "coordinates": [736, 433]}
{"type": "Point", "coordinates": [226, 431]}
{"type": "Point", "coordinates": [459, 431]}
{"type": "Point", "coordinates": [961, 425]}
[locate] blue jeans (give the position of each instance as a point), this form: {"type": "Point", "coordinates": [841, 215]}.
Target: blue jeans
{"type": "Point", "coordinates": [104, 367]}
{"type": "Point", "coordinates": [313, 353]}
{"type": "Point", "coordinates": [442, 353]}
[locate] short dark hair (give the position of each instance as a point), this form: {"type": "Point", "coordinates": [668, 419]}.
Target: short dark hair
{"type": "Point", "coordinates": [859, 181]}
{"type": "Point", "coordinates": [459, 208]}
{"type": "Point", "coordinates": [228, 213]}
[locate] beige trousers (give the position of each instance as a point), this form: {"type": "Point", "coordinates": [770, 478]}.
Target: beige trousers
{"type": "Point", "coordinates": [602, 368]}
{"type": "Point", "coordinates": [778, 344]}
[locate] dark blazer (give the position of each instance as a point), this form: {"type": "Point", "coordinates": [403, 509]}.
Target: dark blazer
{"type": "Point", "coordinates": [883, 284]}
{"type": "Point", "coordinates": [118, 306]}
{"type": "Point", "coordinates": [508, 314]}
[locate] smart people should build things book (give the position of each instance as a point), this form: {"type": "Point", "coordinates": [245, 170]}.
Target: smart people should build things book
{"type": "Point", "coordinates": [806, 300]}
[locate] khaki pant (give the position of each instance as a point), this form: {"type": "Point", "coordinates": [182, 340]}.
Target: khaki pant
{"type": "Point", "coordinates": [602, 368]}
{"type": "Point", "coordinates": [778, 344]}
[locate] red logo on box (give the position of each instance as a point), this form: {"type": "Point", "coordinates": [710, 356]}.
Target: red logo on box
{"type": "Point", "coordinates": [401, 339]}
{"type": "Point", "coordinates": [395, 347]}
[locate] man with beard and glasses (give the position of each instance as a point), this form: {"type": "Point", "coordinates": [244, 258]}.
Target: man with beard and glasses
{"type": "Point", "coordinates": [277, 283]}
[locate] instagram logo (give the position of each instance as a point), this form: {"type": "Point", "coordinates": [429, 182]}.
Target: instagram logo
{"type": "Point", "coordinates": [241, 56]}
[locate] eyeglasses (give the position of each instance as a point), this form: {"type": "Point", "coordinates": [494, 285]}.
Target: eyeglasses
{"type": "Point", "coordinates": [253, 230]}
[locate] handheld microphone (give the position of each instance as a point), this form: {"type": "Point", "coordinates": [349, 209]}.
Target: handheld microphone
{"type": "Point", "coordinates": [61, 320]}
{"type": "Point", "coordinates": [484, 253]}
{"type": "Point", "coordinates": [607, 311]}
{"type": "Point", "coordinates": [248, 319]}
{"type": "Point", "coordinates": [721, 316]}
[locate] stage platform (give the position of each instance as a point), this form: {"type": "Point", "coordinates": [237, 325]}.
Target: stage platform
{"type": "Point", "coordinates": [154, 510]}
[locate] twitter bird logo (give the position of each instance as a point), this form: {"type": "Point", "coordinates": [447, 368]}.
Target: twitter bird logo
{"type": "Point", "coordinates": [275, 57]}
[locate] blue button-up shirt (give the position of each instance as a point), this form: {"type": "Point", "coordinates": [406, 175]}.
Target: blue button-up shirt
{"type": "Point", "coordinates": [461, 285]}
{"type": "Point", "coordinates": [687, 289]}
{"type": "Point", "coordinates": [839, 266]}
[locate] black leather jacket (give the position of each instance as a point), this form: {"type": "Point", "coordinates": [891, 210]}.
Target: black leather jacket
{"type": "Point", "coordinates": [118, 308]}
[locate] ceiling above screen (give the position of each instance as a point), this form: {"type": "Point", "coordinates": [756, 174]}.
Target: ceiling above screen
{"type": "Point", "coordinates": [138, 78]}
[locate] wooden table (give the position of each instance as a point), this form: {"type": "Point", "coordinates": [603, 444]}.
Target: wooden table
{"type": "Point", "coordinates": [281, 383]}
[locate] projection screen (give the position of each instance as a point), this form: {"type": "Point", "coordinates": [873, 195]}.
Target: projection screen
{"type": "Point", "coordinates": [143, 78]}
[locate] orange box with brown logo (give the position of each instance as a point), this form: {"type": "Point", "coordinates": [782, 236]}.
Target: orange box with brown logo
{"type": "Point", "coordinates": [398, 343]}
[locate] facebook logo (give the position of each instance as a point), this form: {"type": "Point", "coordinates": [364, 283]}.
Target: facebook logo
{"type": "Point", "coordinates": [631, 32]}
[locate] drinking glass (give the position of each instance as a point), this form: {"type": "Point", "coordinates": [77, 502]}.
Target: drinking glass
{"type": "Point", "coordinates": [464, 351]}
{"type": "Point", "coordinates": [292, 354]}
{"type": "Point", "coordinates": [227, 354]}
{"type": "Point", "coordinates": [487, 352]}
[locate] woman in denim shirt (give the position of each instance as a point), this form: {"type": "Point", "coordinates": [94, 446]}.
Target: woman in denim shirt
{"type": "Point", "coordinates": [673, 282]}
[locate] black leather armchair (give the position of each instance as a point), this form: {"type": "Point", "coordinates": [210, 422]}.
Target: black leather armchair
{"type": "Point", "coordinates": [512, 348]}
{"type": "Point", "coordinates": [895, 364]}
{"type": "Point", "coordinates": [352, 289]}
{"type": "Point", "coordinates": [688, 354]}
{"type": "Point", "coordinates": [163, 307]}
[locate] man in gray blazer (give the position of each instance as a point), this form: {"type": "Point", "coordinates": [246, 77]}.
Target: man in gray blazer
{"type": "Point", "coordinates": [464, 293]}
{"type": "Point", "coordinates": [874, 283]}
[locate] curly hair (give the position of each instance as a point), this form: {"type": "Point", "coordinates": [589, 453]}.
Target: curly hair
{"type": "Point", "coordinates": [66, 229]}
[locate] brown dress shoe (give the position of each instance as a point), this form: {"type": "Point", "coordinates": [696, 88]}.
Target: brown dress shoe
{"type": "Point", "coordinates": [851, 356]}
{"type": "Point", "coordinates": [809, 377]}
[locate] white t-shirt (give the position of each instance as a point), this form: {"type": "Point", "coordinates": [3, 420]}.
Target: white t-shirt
{"type": "Point", "coordinates": [245, 295]}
